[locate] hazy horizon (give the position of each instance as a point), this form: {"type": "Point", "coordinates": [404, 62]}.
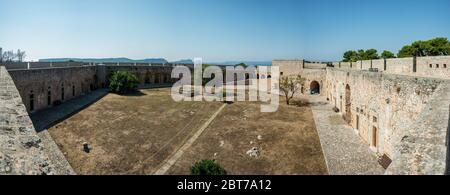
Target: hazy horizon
{"type": "Point", "coordinates": [217, 31]}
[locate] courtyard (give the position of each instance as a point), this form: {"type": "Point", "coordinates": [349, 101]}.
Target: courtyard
{"type": "Point", "coordinates": [138, 134]}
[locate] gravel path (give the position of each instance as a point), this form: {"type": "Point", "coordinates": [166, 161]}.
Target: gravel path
{"type": "Point", "coordinates": [345, 152]}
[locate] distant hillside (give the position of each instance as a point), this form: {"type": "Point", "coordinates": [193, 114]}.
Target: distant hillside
{"type": "Point", "coordinates": [106, 60]}
{"type": "Point", "coordinates": [186, 61]}
{"type": "Point", "coordinates": [250, 63]}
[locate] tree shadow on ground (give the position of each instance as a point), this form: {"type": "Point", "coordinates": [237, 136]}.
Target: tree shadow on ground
{"type": "Point", "coordinates": [299, 103]}
{"type": "Point", "coordinates": [137, 93]}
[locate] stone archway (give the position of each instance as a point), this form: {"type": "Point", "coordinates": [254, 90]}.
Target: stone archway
{"type": "Point", "coordinates": [314, 88]}
{"type": "Point", "coordinates": [157, 78]}
{"type": "Point", "coordinates": [348, 105]}
{"type": "Point", "coordinates": [147, 78]}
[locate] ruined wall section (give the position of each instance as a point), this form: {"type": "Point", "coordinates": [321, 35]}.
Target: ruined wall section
{"type": "Point", "coordinates": [21, 151]}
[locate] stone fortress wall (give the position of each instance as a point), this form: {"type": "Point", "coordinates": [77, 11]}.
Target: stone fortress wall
{"type": "Point", "coordinates": [399, 107]}
{"type": "Point", "coordinates": [436, 67]}
{"type": "Point", "coordinates": [43, 85]}
{"type": "Point", "coordinates": [26, 88]}
{"type": "Point", "coordinates": [21, 150]}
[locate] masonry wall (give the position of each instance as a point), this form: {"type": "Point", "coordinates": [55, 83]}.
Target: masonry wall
{"type": "Point", "coordinates": [43, 88]}
{"type": "Point", "coordinates": [434, 67]}
{"type": "Point", "coordinates": [289, 67]}
{"type": "Point", "coordinates": [312, 72]}
{"type": "Point", "coordinates": [424, 148]}
{"type": "Point", "coordinates": [438, 66]}
{"type": "Point", "coordinates": [145, 74]}
{"type": "Point", "coordinates": [383, 108]}
{"type": "Point", "coordinates": [21, 151]}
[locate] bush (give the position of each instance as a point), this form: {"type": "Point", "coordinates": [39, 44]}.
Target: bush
{"type": "Point", "coordinates": [207, 167]}
{"type": "Point", "coordinates": [123, 82]}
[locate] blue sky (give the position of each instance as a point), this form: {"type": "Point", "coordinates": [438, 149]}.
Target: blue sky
{"type": "Point", "coordinates": [217, 30]}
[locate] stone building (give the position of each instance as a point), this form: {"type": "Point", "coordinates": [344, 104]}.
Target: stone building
{"type": "Point", "coordinates": [388, 102]}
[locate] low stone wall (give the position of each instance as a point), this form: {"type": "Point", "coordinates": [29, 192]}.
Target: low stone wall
{"type": "Point", "coordinates": [21, 151]}
{"type": "Point", "coordinates": [430, 66]}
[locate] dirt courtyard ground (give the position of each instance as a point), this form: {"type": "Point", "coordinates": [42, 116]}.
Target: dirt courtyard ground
{"type": "Point", "coordinates": [136, 134]}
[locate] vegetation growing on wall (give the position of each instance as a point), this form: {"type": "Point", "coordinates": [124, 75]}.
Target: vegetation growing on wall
{"type": "Point", "coordinates": [123, 82]}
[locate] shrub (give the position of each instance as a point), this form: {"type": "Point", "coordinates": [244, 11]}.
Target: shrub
{"type": "Point", "coordinates": [207, 167]}
{"type": "Point", "coordinates": [123, 82]}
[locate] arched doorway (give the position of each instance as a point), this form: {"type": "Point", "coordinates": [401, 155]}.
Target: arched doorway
{"type": "Point", "coordinates": [348, 105]}
{"type": "Point", "coordinates": [147, 78]}
{"type": "Point", "coordinates": [157, 78]}
{"type": "Point", "coordinates": [314, 88]}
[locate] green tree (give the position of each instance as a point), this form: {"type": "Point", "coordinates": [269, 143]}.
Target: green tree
{"type": "Point", "coordinates": [123, 82]}
{"type": "Point", "coordinates": [439, 46]}
{"type": "Point", "coordinates": [361, 54]}
{"type": "Point", "coordinates": [290, 86]}
{"type": "Point", "coordinates": [353, 56]}
{"type": "Point", "coordinates": [433, 47]}
{"type": "Point", "coordinates": [350, 56]}
{"type": "Point", "coordinates": [407, 51]}
{"type": "Point", "coordinates": [370, 54]}
{"type": "Point", "coordinates": [387, 54]}
{"type": "Point", "coordinates": [207, 167]}
{"type": "Point", "coordinates": [241, 64]}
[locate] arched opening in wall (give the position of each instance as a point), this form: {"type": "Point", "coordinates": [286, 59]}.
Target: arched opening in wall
{"type": "Point", "coordinates": [95, 82]}
{"type": "Point", "coordinates": [357, 122]}
{"type": "Point", "coordinates": [162, 79]}
{"type": "Point", "coordinates": [73, 90]}
{"type": "Point", "coordinates": [147, 78]}
{"type": "Point", "coordinates": [314, 87]}
{"type": "Point", "coordinates": [62, 92]}
{"type": "Point", "coordinates": [374, 136]}
{"type": "Point", "coordinates": [49, 96]}
{"type": "Point", "coordinates": [31, 101]}
{"type": "Point", "coordinates": [167, 78]}
{"type": "Point", "coordinates": [269, 77]}
{"type": "Point", "coordinates": [348, 105]}
{"type": "Point", "coordinates": [157, 78]}
{"type": "Point", "coordinates": [91, 86]}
